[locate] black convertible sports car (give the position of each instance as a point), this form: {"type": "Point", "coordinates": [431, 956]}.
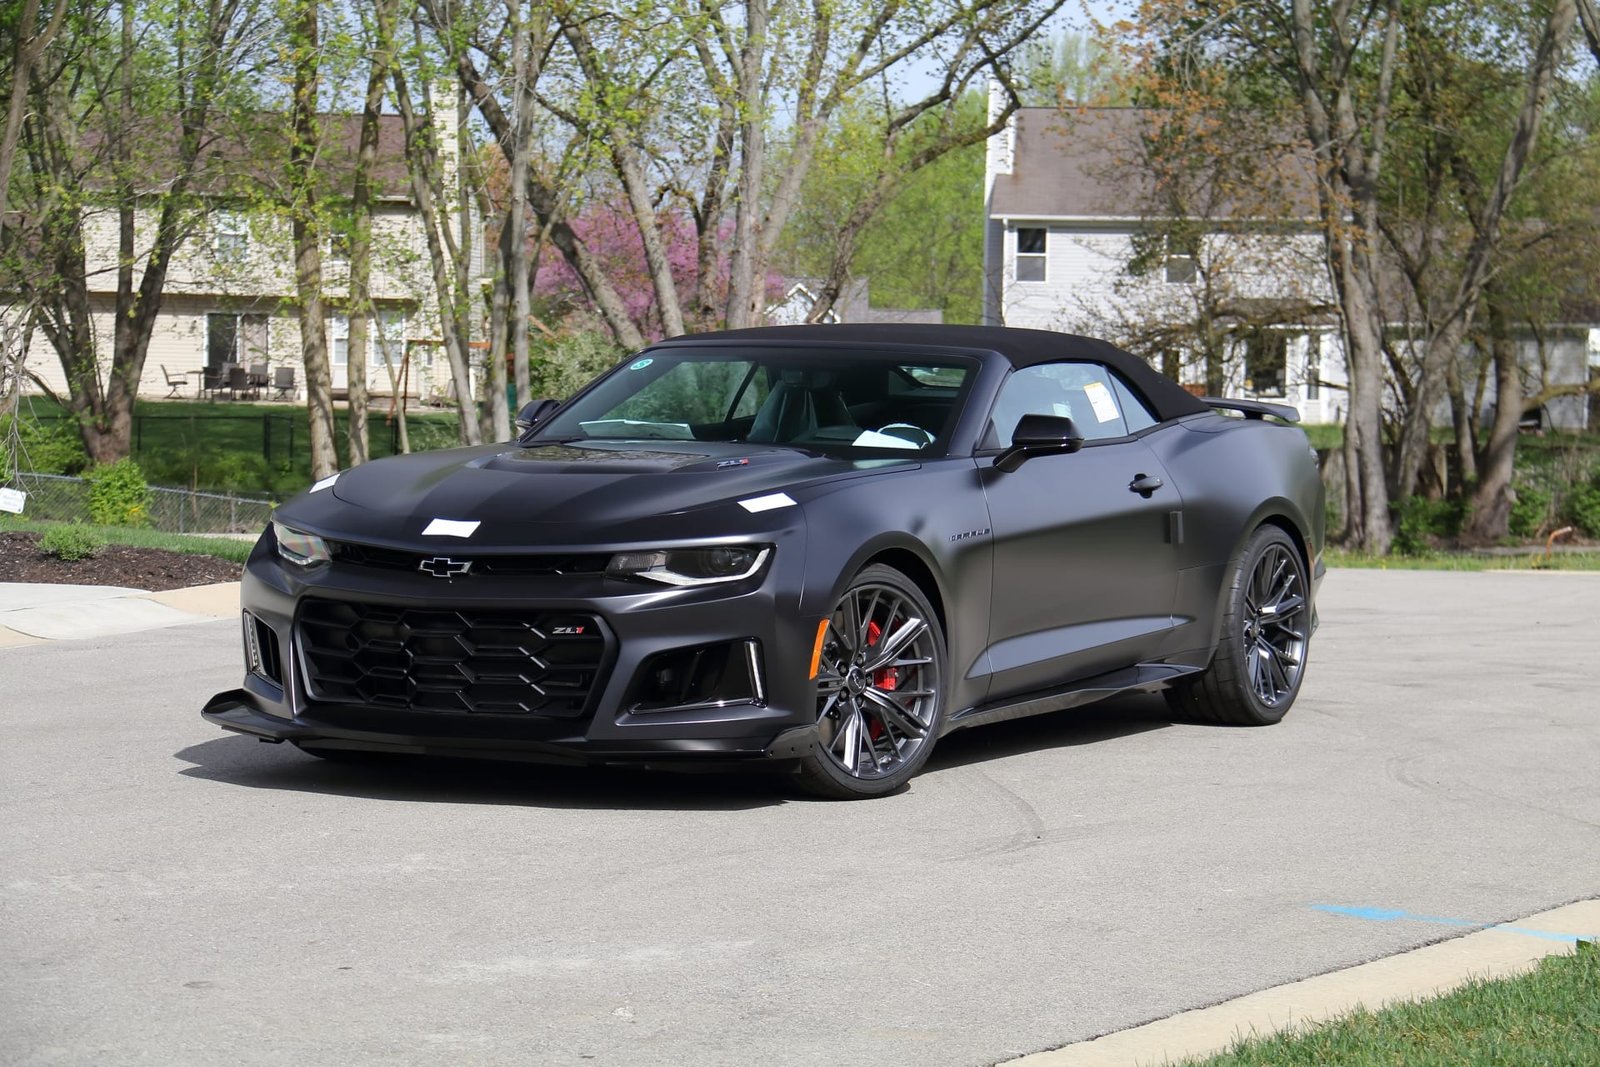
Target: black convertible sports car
{"type": "Point", "coordinates": [816, 547]}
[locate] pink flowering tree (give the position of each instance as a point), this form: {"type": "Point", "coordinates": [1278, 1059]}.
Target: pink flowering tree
{"type": "Point", "coordinates": [612, 236]}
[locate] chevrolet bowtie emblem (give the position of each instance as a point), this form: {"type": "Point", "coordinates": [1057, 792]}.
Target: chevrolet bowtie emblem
{"type": "Point", "coordinates": [444, 566]}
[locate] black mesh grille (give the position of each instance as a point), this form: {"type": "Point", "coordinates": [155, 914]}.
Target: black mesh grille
{"type": "Point", "coordinates": [507, 565]}
{"type": "Point", "coordinates": [444, 660]}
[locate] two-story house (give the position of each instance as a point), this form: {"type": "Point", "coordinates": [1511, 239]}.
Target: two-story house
{"type": "Point", "coordinates": [230, 290]}
{"type": "Point", "coordinates": [1076, 239]}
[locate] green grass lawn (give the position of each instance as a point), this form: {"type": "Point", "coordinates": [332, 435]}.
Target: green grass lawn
{"type": "Point", "coordinates": [1546, 1018]}
{"type": "Point", "coordinates": [1533, 559]}
{"type": "Point", "coordinates": [223, 547]}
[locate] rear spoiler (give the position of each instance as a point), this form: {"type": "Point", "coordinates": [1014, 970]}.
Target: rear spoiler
{"type": "Point", "coordinates": [1253, 409]}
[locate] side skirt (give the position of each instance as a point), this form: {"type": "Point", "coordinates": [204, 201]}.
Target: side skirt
{"type": "Point", "coordinates": [1143, 678]}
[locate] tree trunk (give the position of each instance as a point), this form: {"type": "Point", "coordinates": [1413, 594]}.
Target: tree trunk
{"type": "Point", "coordinates": [525, 69]}
{"type": "Point", "coordinates": [308, 244]}
{"type": "Point", "coordinates": [361, 309]}
{"type": "Point", "coordinates": [1489, 510]}
{"type": "Point", "coordinates": [745, 290]}
{"type": "Point", "coordinates": [29, 46]}
{"type": "Point", "coordinates": [1462, 422]}
{"type": "Point", "coordinates": [1349, 151]}
{"type": "Point", "coordinates": [423, 164]}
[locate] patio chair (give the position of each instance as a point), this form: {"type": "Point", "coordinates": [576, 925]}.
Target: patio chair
{"type": "Point", "coordinates": [238, 380]}
{"type": "Point", "coordinates": [214, 380]}
{"type": "Point", "coordinates": [258, 378]}
{"type": "Point", "coordinates": [283, 382]}
{"type": "Point", "coordinates": [174, 382]}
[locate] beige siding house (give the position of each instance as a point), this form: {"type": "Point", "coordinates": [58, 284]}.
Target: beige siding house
{"type": "Point", "coordinates": [230, 290]}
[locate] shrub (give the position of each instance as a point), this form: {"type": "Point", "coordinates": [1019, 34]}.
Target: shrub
{"type": "Point", "coordinates": [119, 495]}
{"type": "Point", "coordinates": [560, 366]}
{"type": "Point", "coordinates": [47, 446]}
{"type": "Point", "coordinates": [1530, 512]}
{"type": "Point", "coordinates": [1583, 506]}
{"type": "Point", "coordinates": [1420, 522]}
{"type": "Point", "coordinates": [71, 542]}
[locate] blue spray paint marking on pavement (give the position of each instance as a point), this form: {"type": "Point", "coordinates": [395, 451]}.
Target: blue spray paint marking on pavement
{"type": "Point", "coordinates": [1384, 915]}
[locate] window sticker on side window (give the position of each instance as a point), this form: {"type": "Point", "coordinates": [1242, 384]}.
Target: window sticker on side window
{"type": "Point", "coordinates": [1105, 408]}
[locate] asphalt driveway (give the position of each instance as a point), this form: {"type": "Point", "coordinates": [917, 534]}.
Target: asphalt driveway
{"type": "Point", "coordinates": [174, 895]}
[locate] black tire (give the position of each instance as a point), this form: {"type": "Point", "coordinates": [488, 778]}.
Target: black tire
{"type": "Point", "coordinates": [880, 689]}
{"type": "Point", "coordinates": [1260, 660]}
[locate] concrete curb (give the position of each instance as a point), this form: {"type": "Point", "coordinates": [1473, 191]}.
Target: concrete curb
{"type": "Point", "coordinates": [1496, 952]}
{"type": "Point", "coordinates": [31, 614]}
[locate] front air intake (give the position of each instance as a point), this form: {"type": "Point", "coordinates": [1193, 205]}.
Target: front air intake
{"type": "Point", "coordinates": [262, 655]}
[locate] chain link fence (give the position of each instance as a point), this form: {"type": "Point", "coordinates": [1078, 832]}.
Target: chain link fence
{"type": "Point", "coordinates": [57, 497]}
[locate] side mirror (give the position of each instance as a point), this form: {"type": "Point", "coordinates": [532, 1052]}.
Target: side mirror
{"type": "Point", "coordinates": [535, 412]}
{"type": "Point", "coordinates": [1039, 435]}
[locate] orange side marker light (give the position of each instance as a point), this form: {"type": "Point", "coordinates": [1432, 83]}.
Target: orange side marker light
{"type": "Point", "coordinates": [816, 649]}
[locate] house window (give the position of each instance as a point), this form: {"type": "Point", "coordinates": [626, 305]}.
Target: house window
{"type": "Point", "coordinates": [1031, 242]}
{"type": "Point", "coordinates": [1182, 259]}
{"type": "Point", "coordinates": [339, 340]}
{"type": "Point", "coordinates": [222, 339]}
{"type": "Point", "coordinates": [339, 248]}
{"type": "Point", "coordinates": [1266, 362]}
{"type": "Point", "coordinates": [230, 237]}
{"type": "Point", "coordinates": [1314, 368]}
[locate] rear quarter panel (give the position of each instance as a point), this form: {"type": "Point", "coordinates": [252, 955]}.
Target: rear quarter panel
{"type": "Point", "coordinates": [1234, 475]}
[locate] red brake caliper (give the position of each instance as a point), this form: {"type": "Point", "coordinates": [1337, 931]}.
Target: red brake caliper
{"type": "Point", "coordinates": [885, 678]}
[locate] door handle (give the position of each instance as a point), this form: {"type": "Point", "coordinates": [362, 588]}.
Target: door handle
{"type": "Point", "coordinates": [1144, 485]}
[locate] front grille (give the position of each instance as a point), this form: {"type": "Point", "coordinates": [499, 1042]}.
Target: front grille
{"type": "Point", "coordinates": [463, 661]}
{"type": "Point", "coordinates": [505, 565]}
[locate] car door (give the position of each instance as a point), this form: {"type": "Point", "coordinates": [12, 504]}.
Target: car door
{"type": "Point", "coordinates": [1085, 568]}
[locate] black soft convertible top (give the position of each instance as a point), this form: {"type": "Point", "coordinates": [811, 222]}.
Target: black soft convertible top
{"type": "Point", "coordinates": [1023, 348]}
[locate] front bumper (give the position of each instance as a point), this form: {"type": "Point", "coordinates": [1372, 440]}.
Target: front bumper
{"type": "Point", "coordinates": [640, 625]}
{"type": "Point", "coordinates": [244, 712]}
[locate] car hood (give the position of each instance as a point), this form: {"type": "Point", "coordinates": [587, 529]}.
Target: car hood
{"type": "Point", "coordinates": [595, 483]}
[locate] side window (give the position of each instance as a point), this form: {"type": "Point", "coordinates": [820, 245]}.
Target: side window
{"type": "Point", "coordinates": [1084, 392]}
{"type": "Point", "coordinates": [1134, 411]}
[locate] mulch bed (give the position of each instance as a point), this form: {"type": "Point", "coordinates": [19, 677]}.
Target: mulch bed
{"type": "Point", "coordinates": [137, 568]}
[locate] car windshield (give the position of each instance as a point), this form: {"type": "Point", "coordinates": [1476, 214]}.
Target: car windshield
{"type": "Point", "coordinates": [830, 401]}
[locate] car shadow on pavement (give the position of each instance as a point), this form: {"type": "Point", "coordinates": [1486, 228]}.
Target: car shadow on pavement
{"type": "Point", "coordinates": [247, 762]}
{"type": "Point", "coordinates": [244, 761]}
{"type": "Point", "coordinates": [1103, 721]}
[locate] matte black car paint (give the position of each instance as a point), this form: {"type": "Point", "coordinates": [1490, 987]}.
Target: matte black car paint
{"type": "Point", "coordinates": [1060, 582]}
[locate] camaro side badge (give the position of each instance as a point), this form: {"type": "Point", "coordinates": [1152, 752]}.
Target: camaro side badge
{"type": "Point", "coordinates": [767, 503]}
{"type": "Point", "coordinates": [445, 567]}
{"type": "Point", "coordinates": [450, 528]}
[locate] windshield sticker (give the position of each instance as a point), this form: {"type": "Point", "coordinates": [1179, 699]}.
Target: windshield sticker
{"type": "Point", "coordinates": [1105, 408]}
{"type": "Point", "coordinates": [640, 364]}
{"type": "Point", "coordinates": [767, 503]}
{"type": "Point", "coordinates": [451, 528]}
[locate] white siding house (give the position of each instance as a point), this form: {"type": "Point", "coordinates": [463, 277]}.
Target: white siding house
{"type": "Point", "coordinates": [1069, 246]}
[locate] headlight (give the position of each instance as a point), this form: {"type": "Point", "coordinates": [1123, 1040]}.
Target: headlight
{"type": "Point", "coordinates": [300, 548]}
{"type": "Point", "coordinates": [691, 566]}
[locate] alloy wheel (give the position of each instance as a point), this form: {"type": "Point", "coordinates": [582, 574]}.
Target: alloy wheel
{"type": "Point", "coordinates": [1275, 626]}
{"type": "Point", "coordinates": [877, 682]}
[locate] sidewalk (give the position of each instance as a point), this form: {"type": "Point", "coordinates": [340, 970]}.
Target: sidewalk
{"type": "Point", "coordinates": [1498, 951]}
{"type": "Point", "coordinates": [31, 614]}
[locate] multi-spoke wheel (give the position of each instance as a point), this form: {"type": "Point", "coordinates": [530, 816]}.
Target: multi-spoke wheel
{"type": "Point", "coordinates": [1266, 632]}
{"type": "Point", "coordinates": [879, 688]}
